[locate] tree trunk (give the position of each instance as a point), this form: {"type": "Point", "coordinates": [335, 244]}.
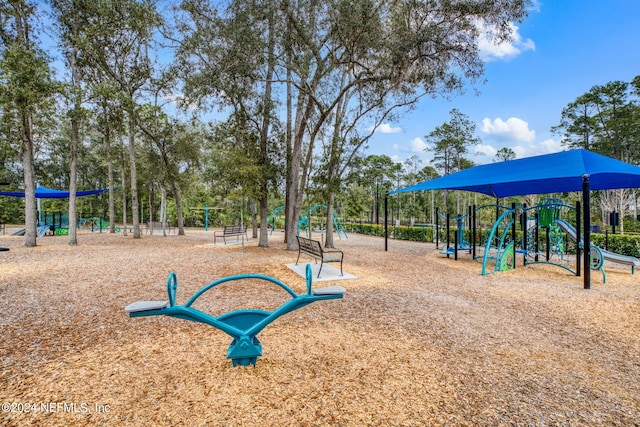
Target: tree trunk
{"type": "Point", "coordinates": [30, 209]}
{"type": "Point", "coordinates": [73, 172]}
{"type": "Point", "coordinates": [163, 209]}
{"type": "Point", "coordinates": [73, 163]}
{"type": "Point", "coordinates": [112, 202]}
{"type": "Point", "coordinates": [135, 208]}
{"type": "Point", "coordinates": [176, 197]}
{"type": "Point", "coordinates": [254, 217]}
{"type": "Point", "coordinates": [328, 243]}
{"type": "Point", "coordinates": [293, 201]}
{"type": "Point", "coordinates": [124, 193]}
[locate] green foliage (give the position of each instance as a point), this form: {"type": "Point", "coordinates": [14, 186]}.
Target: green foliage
{"type": "Point", "coordinates": [631, 225]}
{"type": "Point", "coordinates": [25, 77]}
{"type": "Point", "coordinates": [618, 243]}
{"type": "Point", "coordinates": [450, 142]}
{"type": "Point", "coordinates": [416, 234]}
{"type": "Point", "coordinates": [604, 120]}
{"type": "Point", "coordinates": [504, 154]}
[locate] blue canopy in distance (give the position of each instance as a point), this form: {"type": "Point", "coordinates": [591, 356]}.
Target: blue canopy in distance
{"type": "Point", "coordinates": [49, 193]}
{"type": "Point", "coordinates": [549, 173]}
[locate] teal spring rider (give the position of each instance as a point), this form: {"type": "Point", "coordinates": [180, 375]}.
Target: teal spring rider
{"type": "Point", "coordinates": [241, 325]}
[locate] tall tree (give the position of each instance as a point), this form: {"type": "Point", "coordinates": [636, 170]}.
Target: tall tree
{"type": "Point", "coordinates": [116, 39]}
{"type": "Point", "coordinates": [504, 154]}
{"type": "Point", "coordinates": [229, 53]}
{"type": "Point", "coordinates": [418, 49]}
{"type": "Point", "coordinates": [26, 88]}
{"type": "Point", "coordinates": [603, 120]}
{"type": "Point", "coordinates": [173, 146]}
{"type": "Point", "coordinates": [327, 52]}
{"type": "Point", "coordinates": [450, 142]}
{"type": "Point", "coordinates": [606, 120]}
{"type": "Point", "coordinates": [69, 29]}
{"type": "Point", "coordinates": [110, 124]}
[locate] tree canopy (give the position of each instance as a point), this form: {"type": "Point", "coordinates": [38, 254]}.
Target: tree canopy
{"type": "Point", "coordinates": [250, 104]}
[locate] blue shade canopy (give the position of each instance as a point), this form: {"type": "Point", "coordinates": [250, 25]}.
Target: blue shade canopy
{"type": "Point", "coordinates": [550, 173]}
{"type": "Point", "coordinates": [49, 193]}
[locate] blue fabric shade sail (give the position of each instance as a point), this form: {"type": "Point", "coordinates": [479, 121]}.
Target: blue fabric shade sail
{"type": "Point", "coordinates": [49, 193]}
{"type": "Point", "coordinates": [550, 173]}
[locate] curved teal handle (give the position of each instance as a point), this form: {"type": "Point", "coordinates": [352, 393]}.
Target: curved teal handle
{"type": "Point", "coordinates": [309, 275]}
{"type": "Point", "coordinates": [172, 288]}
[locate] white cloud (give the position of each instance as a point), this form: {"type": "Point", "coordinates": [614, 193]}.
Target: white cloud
{"type": "Point", "coordinates": [547, 146]}
{"type": "Point", "coordinates": [514, 128]}
{"type": "Point", "coordinates": [486, 150]}
{"type": "Point", "coordinates": [386, 128]}
{"type": "Point", "coordinates": [490, 50]}
{"type": "Point", "coordinates": [521, 151]}
{"type": "Point", "coordinates": [417, 145]}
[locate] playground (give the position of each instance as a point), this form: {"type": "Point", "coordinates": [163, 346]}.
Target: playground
{"type": "Point", "coordinates": [418, 339]}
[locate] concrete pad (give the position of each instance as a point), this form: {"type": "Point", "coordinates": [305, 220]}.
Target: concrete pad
{"type": "Point", "coordinates": [329, 272]}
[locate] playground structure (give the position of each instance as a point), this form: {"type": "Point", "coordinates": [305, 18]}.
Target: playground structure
{"type": "Point", "coordinates": [57, 224]}
{"type": "Point", "coordinates": [272, 219]}
{"type": "Point", "coordinates": [242, 325]}
{"type": "Point", "coordinates": [460, 241]}
{"type": "Point", "coordinates": [305, 222]}
{"type": "Point", "coordinates": [54, 223]}
{"type": "Point", "coordinates": [93, 224]}
{"type": "Point", "coordinates": [547, 237]}
{"type": "Point", "coordinates": [571, 171]}
{"type": "Point", "coordinates": [206, 210]}
{"type": "Point", "coordinates": [465, 235]}
{"type": "Point", "coordinates": [555, 247]}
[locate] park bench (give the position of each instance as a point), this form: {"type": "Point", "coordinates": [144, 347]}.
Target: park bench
{"type": "Point", "coordinates": [239, 230]}
{"type": "Point", "coordinates": [157, 226]}
{"type": "Point", "coordinates": [314, 249]}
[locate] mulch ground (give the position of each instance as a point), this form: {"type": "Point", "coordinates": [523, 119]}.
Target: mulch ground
{"type": "Point", "coordinates": [418, 340]}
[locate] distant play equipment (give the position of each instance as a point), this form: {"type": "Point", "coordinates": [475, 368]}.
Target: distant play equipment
{"type": "Point", "coordinates": [305, 222]}
{"type": "Point", "coordinates": [242, 325]}
{"type": "Point", "coordinates": [93, 224]}
{"type": "Point", "coordinates": [272, 219]}
{"type": "Point", "coordinates": [44, 225]}
{"type": "Point", "coordinates": [206, 210]}
{"type": "Point", "coordinates": [460, 241]}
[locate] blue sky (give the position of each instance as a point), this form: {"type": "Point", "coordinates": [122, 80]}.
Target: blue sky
{"type": "Point", "coordinates": [561, 50]}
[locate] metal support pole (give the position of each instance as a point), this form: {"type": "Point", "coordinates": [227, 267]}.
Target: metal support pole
{"type": "Point", "coordinates": [524, 234]}
{"type": "Point", "coordinates": [437, 228]}
{"type": "Point", "coordinates": [537, 245]}
{"type": "Point", "coordinates": [513, 234]}
{"type": "Point", "coordinates": [386, 230]}
{"type": "Point", "coordinates": [586, 200]}
{"type": "Point", "coordinates": [578, 239]}
{"type": "Point", "coordinates": [455, 245]}
{"type": "Point", "coordinates": [448, 222]}
{"type": "Point", "coordinates": [473, 231]}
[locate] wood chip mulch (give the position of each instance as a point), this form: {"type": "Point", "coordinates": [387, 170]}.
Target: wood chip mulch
{"type": "Point", "coordinates": [418, 340]}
